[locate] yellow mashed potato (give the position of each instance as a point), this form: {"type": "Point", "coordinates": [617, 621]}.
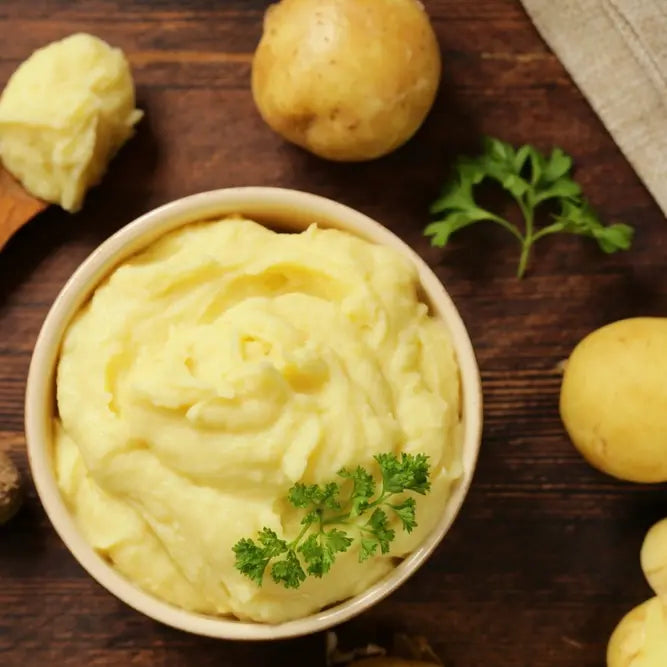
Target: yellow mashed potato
{"type": "Point", "coordinates": [63, 115]}
{"type": "Point", "coordinates": [223, 364]}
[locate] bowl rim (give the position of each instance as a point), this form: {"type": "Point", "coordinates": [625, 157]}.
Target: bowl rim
{"type": "Point", "coordinates": [255, 201]}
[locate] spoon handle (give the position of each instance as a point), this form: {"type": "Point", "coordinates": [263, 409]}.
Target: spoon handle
{"type": "Point", "coordinates": [17, 207]}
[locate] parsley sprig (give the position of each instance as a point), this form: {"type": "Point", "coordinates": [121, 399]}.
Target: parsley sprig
{"type": "Point", "coordinates": [531, 179]}
{"type": "Point", "coordinates": [313, 551]}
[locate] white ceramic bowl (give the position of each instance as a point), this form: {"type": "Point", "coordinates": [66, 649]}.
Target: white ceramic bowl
{"type": "Point", "coordinates": [287, 209]}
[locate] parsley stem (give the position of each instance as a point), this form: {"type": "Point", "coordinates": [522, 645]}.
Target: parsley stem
{"type": "Point", "coordinates": [523, 260]}
{"type": "Point", "coordinates": [379, 500]}
{"type": "Point", "coordinates": [299, 537]}
{"type": "Point", "coordinates": [339, 518]}
{"type": "Point", "coordinates": [507, 225]}
{"type": "Point", "coordinates": [528, 213]}
{"type": "Point", "coordinates": [550, 229]}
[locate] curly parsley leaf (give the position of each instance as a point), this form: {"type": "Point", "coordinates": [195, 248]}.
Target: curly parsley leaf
{"type": "Point", "coordinates": [252, 558]}
{"type": "Point", "coordinates": [367, 549]}
{"type": "Point", "coordinates": [406, 513]}
{"type": "Point", "coordinates": [314, 550]}
{"type": "Point", "coordinates": [378, 527]}
{"type": "Point", "coordinates": [363, 489]}
{"type": "Point", "coordinates": [303, 496]}
{"type": "Point", "coordinates": [288, 572]}
{"type": "Point", "coordinates": [409, 473]}
{"type": "Point", "coordinates": [319, 550]}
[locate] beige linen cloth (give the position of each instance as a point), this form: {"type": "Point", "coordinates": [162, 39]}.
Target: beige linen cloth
{"type": "Point", "coordinates": [616, 52]}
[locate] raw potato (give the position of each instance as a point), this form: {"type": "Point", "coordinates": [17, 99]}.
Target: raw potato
{"type": "Point", "coordinates": [640, 639]}
{"type": "Point", "coordinates": [348, 80]}
{"type": "Point", "coordinates": [654, 558]}
{"type": "Point", "coordinates": [614, 397]}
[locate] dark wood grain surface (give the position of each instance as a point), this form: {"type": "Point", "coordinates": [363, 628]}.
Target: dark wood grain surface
{"type": "Point", "coordinates": [543, 560]}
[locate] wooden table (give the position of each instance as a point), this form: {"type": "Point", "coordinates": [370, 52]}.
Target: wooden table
{"type": "Point", "coordinates": [543, 560]}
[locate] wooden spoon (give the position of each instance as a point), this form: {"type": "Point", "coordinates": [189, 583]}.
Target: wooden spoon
{"type": "Point", "coordinates": [17, 207]}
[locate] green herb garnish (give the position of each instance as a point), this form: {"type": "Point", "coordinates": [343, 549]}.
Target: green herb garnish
{"type": "Point", "coordinates": [313, 551]}
{"type": "Point", "coordinates": [531, 179]}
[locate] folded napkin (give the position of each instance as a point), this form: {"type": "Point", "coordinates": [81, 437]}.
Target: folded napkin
{"type": "Point", "coordinates": [616, 52]}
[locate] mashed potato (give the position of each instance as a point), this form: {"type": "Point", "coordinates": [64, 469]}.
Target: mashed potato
{"type": "Point", "coordinates": [223, 364]}
{"type": "Point", "coordinates": [63, 115]}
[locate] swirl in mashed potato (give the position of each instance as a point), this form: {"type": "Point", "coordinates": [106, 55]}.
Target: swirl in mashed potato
{"type": "Point", "coordinates": [226, 362]}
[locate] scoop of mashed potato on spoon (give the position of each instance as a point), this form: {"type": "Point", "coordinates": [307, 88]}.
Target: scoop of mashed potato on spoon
{"type": "Point", "coordinates": [64, 114]}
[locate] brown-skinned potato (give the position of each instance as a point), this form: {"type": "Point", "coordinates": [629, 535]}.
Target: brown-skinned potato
{"type": "Point", "coordinates": [348, 80]}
